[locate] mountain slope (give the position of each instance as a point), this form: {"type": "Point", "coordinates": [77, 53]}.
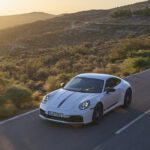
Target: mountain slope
{"type": "Point", "coordinates": [75, 28]}
{"type": "Point", "coordinates": [13, 20]}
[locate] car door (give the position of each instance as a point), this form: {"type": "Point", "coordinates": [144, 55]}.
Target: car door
{"type": "Point", "coordinates": [111, 98]}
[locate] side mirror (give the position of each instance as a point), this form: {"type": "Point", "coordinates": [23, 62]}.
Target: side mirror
{"type": "Point", "coordinates": [62, 84]}
{"type": "Point", "coordinates": [108, 90]}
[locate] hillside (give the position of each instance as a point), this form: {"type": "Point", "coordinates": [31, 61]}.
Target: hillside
{"type": "Point", "coordinates": [91, 24]}
{"type": "Point", "coordinates": [13, 20]}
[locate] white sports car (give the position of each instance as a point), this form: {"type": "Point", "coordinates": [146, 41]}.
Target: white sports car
{"type": "Point", "coordinates": [85, 99]}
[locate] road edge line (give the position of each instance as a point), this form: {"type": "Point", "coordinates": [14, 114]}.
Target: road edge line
{"type": "Point", "coordinates": [132, 122]}
{"type": "Point", "coordinates": [18, 116]}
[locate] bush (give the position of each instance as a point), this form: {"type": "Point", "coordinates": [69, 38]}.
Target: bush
{"type": "Point", "coordinates": [7, 110]}
{"type": "Point", "coordinates": [141, 63]}
{"type": "Point", "coordinates": [113, 68]}
{"type": "Point", "coordinates": [2, 99]}
{"type": "Point", "coordinates": [142, 12]}
{"type": "Point", "coordinates": [143, 53]}
{"type": "Point", "coordinates": [65, 77]}
{"type": "Point", "coordinates": [78, 67]}
{"type": "Point", "coordinates": [31, 67]}
{"type": "Point", "coordinates": [36, 95]}
{"type": "Point", "coordinates": [130, 36]}
{"type": "Point", "coordinates": [98, 70]}
{"type": "Point", "coordinates": [3, 84]}
{"type": "Point", "coordinates": [80, 50]}
{"type": "Point", "coordinates": [42, 74]}
{"type": "Point", "coordinates": [127, 47]}
{"type": "Point", "coordinates": [51, 84]}
{"type": "Point", "coordinates": [128, 13]}
{"type": "Point", "coordinates": [64, 65]}
{"type": "Point", "coordinates": [121, 13]}
{"type": "Point", "coordinates": [18, 95]}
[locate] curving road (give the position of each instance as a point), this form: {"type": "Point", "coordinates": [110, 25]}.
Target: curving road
{"type": "Point", "coordinates": [29, 132]}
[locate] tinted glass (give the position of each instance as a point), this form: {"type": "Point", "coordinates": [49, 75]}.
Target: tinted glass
{"type": "Point", "coordinates": [112, 82]}
{"type": "Point", "coordinates": [109, 84]}
{"type": "Point", "coordinates": [116, 81]}
{"type": "Point", "coordinates": [86, 85]}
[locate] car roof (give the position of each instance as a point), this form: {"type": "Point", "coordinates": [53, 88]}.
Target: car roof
{"type": "Point", "coordinates": [97, 76]}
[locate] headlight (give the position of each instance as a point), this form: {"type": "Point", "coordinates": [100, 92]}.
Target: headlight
{"type": "Point", "coordinates": [84, 105]}
{"type": "Point", "coordinates": [45, 99]}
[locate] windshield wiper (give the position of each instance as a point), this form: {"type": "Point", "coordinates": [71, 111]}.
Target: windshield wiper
{"type": "Point", "coordinates": [71, 90]}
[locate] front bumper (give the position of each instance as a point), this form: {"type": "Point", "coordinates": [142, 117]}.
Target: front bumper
{"type": "Point", "coordinates": [76, 119]}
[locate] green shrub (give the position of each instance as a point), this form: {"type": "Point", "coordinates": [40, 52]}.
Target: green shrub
{"type": "Point", "coordinates": [128, 48]}
{"type": "Point", "coordinates": [18, 95]}
{"type": "Point", "coordinates": [143, 53]}
{"type": "Point", "coordinates": [142, 12]}
{"type": "Point", "coordinates": [130, 36]}
{"type": "Point", "coordinates": [141, 63]}
{"type": "Point", "coordinates": [121, 13]}
{"type": "Point", "coordinates": [128, 13]}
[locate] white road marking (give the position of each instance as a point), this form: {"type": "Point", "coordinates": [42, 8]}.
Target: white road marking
{"type": "Point", "coordinates": [132, 122]}
{"type": "Point", "coordinates": [18, 116]}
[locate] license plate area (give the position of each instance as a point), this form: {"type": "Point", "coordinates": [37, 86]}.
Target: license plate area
{"type": "Point", "coordinates": [55, 114]}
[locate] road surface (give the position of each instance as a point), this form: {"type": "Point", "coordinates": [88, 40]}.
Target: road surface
{"type": "Point", "coordinates": [121, 129]}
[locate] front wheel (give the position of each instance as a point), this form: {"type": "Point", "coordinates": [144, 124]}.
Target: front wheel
{"type": "Point", "coordinates": [127, 98]}
{"type": "Point", "coordinates": [97, 114]}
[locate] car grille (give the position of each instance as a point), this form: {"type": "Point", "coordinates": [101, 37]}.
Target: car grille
{"type": "Point", "coordinates": [70, 119]}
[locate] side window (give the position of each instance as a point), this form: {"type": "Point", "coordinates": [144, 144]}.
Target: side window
{"type": "Point", "coordinates": [112, 82]}
{"type": "Point", "coordinates": [109, 83]}
{"type": "Point", "coordinates": [117, 81]}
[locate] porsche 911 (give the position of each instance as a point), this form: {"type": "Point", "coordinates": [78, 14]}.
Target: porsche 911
{"type": "Point", "coordinates": [86, 99]}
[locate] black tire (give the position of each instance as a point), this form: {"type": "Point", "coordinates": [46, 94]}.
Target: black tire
{"type": "Point", "coordinates": [97, 114]}
{"type": "Point", "coordinates": [127, 98]}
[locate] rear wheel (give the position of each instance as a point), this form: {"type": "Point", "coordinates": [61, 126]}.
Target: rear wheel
{"type": "Point", "coordinates": [127, 98]}
{"type": "Point", "coordinates": [98, 113]}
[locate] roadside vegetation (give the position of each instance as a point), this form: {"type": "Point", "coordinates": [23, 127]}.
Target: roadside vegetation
{"type": "Point", "coordinates": [25, 76]}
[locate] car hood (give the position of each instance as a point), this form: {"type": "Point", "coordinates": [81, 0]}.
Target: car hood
{"type": "Point", "coordinates": [64, 99]}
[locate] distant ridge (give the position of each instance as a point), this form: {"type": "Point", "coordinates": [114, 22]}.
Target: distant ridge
{"type": "Point", "coordinates": [76, 28]}
{"type": "Point", "coordinates": [20, 19]}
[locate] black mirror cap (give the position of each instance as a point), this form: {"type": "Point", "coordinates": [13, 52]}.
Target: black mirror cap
{"type": "Point", "coordinates": [108, 90]}
{"type": "Point", "coordinates": [62, 84]}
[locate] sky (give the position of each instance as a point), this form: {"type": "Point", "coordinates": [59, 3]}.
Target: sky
{"type": "Point", "coordinates": [9, 7]}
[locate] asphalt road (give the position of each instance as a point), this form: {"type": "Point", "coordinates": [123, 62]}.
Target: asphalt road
{"type": "Point", "coordinates": [29, 132]}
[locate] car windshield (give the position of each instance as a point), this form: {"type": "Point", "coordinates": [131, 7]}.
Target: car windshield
{"type": "Point", "coordinates": [87, 85]}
